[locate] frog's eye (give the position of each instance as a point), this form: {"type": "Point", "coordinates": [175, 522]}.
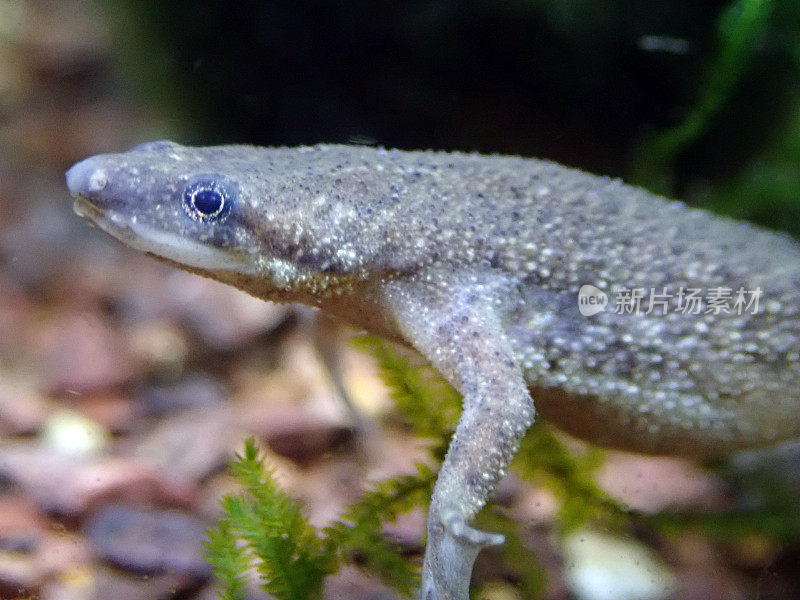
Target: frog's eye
{"type": "Point", "coordinates": [207, 200]}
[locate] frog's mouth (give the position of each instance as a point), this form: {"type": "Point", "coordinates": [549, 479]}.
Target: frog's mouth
{"type": "Point", "coordinates": [162, 244]}
{"type": "Point", "coordinates": [107, 220]}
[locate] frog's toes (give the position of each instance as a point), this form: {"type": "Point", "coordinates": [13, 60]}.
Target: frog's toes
{"type": "Point", "coordinates": [457, 527]}
{"type": "Point", "coordinates": [450, 556]}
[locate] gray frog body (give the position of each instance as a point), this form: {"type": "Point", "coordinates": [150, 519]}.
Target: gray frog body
{"type": "Point", "coordinates": [476, 261]}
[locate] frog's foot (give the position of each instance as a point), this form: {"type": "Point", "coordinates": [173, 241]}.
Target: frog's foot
{"type": "Point", "coordinates": [452, 548]}
{"type": "Point", "coordinates": [458, 529]}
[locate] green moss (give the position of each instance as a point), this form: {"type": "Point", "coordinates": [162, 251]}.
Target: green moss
{"type": "Point", "coordinates": [293, 558]}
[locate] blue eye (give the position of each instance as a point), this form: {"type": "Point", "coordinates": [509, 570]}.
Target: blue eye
{"type": "Point", "coordinates": [207, 200]}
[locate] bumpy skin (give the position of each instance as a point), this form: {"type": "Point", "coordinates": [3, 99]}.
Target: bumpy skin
{"type": "Point", "coordinates": [476, 261]}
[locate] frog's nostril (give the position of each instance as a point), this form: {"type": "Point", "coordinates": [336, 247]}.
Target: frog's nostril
{"type": "Point", "coordinates": [97, 180]}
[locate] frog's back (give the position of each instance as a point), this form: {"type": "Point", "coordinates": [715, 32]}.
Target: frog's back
{"type": "Point", "coordinates": [684, 378]}
{"type": "Point", "coordinates": [688, 377]}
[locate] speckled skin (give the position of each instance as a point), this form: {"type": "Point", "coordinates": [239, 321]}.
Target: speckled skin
{"type": "Point", "coordinates": [476, 261]}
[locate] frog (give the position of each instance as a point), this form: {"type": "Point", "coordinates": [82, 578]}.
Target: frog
{"type": "Point", "coordinates": [624, 318]}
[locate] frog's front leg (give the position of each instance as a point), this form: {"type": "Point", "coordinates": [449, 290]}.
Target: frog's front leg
{"type": "Point", "coordinates": [454, 322]}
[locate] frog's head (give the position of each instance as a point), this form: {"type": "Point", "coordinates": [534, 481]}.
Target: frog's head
{"type": "Point", "coordinates": [235, 213]}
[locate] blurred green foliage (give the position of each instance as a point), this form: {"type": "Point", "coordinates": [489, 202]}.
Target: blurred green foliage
{"type": "Point", "coordinates": [766, 188]}
{"type": "Point", "coordinates": [741, 29]}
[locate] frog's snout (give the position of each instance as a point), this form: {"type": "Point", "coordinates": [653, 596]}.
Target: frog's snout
{"type": "Point", "coordinates": [87, 178]}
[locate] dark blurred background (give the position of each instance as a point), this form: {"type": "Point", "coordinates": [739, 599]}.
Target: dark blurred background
{"type": "Point", "coordinates": [125, 385]}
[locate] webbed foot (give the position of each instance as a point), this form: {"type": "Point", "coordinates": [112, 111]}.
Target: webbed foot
{"type": "Point", "coordinates": [458, 529]}
{"type": "Point", "coordinates": [452, 548]}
